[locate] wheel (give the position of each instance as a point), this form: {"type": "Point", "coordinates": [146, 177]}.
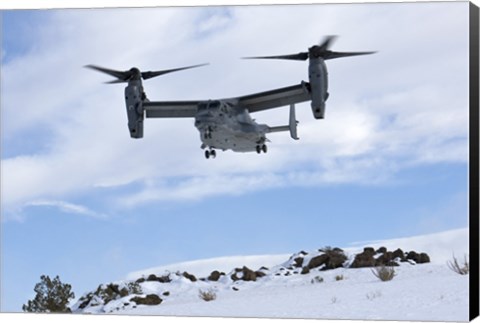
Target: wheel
{"type": "Point", "coordinates": [207, 154]}
{"type": "Point", "coordinates": [264, 148]}
{"type": "Point", "coordinates": [213, 153]}
{"type": "Point", "coordinates": [259, 149]}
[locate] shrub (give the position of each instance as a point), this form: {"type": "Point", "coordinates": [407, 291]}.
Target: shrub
{"type": "Point", "coordinates": [339, 277]}
{"type": "Point", "coordinates": [208, 295]}
{"type": "Point", "coordinates": [459, 269]}
{"type": "Point", "coordinates": [371, 296]}
{"type": "Point", "coordinates": [317, 279]}
{"type": "Point", "coordinates": [52, 296]}
{"type": "Point", "coordinates": [384, 273]}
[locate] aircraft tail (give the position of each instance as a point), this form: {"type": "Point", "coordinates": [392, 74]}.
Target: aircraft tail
{"type": "Point", "coordinates": [292, 125]}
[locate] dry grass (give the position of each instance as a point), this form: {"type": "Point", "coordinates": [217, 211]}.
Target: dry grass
{"type": "Point", "coordinates": [208, 295]}
{"type": "Point", "coordinates": [461, 269]}
{"type": "Point", "coordinates": [384, 273]}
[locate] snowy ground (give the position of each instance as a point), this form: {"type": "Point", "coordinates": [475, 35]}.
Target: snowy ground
{"type": "Point", "coordinates": [419, 292]}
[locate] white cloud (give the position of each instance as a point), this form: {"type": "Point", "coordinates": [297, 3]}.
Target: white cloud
{"type": "Point", "coordinates": [404, 106]}
{"type": "Point", "coordinates": [66, 208]}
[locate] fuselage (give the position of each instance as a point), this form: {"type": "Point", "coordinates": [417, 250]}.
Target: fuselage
{"type": "Point", "coordinates": [225, 125]}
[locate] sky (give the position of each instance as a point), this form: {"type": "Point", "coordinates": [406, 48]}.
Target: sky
{"type": "Point", "coordinates": [82, 200]}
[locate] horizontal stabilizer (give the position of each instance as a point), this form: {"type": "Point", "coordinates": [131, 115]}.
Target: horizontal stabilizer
{"type": "Point", "coordinates": [292, 126]}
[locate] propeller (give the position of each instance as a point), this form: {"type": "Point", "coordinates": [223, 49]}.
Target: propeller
{"type": "Point", "coordinates": [316, 51]}
{"type": "Point", "coordinates": [135, 74]}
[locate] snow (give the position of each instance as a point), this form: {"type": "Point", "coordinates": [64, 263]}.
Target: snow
{"type": "Point", "coordinates": [415, 294]}
{"type": "Point", "coordinates": [418, 292]}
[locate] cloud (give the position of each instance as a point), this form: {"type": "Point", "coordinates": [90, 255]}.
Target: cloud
{"type": "Point", "coordinates": [386, 112]}
{"type": "Point", "coordinates": [66, 207]}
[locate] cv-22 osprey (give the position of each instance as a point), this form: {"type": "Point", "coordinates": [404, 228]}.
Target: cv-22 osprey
{"type": "Point", "coordinates": [226, 123]}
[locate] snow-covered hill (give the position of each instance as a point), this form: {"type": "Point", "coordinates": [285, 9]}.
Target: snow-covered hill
{"type": "Point", "coordinates": [299, 286]}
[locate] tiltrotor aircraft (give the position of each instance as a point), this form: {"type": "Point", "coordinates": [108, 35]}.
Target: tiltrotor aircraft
{"type": "Point", "coordinates": [226, 123]}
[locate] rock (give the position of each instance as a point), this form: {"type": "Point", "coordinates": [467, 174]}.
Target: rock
{"type": "Point", "coordinates": [418, 258]}
{"type": "Point", "coordinates": [190, 277]}
{"type": "Point", "coordinates": [124, 292]}
{"type": "Point", "coordinates": [382, 250]}
{"type": "Point", "coordinates": [336, 260]}
{"type": "Point", "coordinates": [305, 270]}
{"type": "Point", "coordinates": [246, 274]}
{"type": "Point", "coordinates": [364, 259]}
{"type": "Point", "coordinates": [384, 259]}
{"type": "Point", "coordinates": [215, 275]}
{"type": "Point", "coordinates": [398, 254]}
{"type": "Point", "coordinates": [330, 259]}
{"type": "Point", "coordinates": [150, 299]}
{"type": "Point", "coordinates": [424, 258]}
{"type": "Point", "coordinates": [369, 250]}
{"type": "Point", "coordinates": [298, 262]}
{"type": "Point", "coordinates": [152, 277]}
{"type": "Point", "coordinates": [317, 261]}
{"type": "Point", "coordinates": [260, 274]}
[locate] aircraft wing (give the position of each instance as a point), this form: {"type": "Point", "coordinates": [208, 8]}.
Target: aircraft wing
{"type": "Point", "coordinates": [276, 98]}
{"type": "Point", "coordinates": [170, 109]}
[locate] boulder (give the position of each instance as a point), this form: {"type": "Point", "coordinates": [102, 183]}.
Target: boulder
{"type": "Point", "coordinates": [317, 261]}
{"type": "Point", "coordinates": [215, 275]}
{"type": "Point", "coordinates": [246, 274]}
{"type": "Point", "coordinates": [150, 299]}
{"type": "Point", "coordinates": [399, 254]}
{"type": "Point", "coordinates": [190, 277]}
{"type": "Point", "coordinates": [364, 259]}
{"type": "Point", "coordinates": [298, 262]}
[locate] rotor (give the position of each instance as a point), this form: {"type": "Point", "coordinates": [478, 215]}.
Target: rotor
{"type": "Point", "coordinates": [317, 51]}
{"type": "Point", "coordinates": [134, 73]}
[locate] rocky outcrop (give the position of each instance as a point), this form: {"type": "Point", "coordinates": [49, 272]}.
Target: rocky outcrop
{"type": "Point", "coordinates": [382, 257]}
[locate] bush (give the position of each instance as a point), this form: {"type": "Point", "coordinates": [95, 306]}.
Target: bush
{"type": "Point", "coordinates": [384, 273]}
{"type": "Point", "coordinates": [371, 296]}
{"type": "Point", "coordinates": [459, 269]}
{"type": "Point", "coordinates": [317, 279]}
{"type": "Point", "coordinates": [208, 295]}
{"type": "Point", "coordinates": [52, 297]}
{"type": "Point", "coordinates": [339, 277]}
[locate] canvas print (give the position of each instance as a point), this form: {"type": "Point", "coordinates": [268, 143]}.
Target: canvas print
{"type": "Point", "coordinates": [267, 161]}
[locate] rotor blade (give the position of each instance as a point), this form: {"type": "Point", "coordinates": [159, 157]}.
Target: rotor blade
{"type": "Point", "coordinates": [121, 75]}
{"type": "Point", "coordinates": [116, 81]}
{"type": "Point", "coordinates": [332, 55]}
{"type": "Point", "coordinates": [327, 43]}
{"type": "Point", "coordinates": [298, 57]}
{"type": "Point", "coordinates": [150, 74]}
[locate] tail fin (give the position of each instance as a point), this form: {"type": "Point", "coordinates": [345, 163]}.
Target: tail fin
{"type": "Point", "coordinates": [292, 125]}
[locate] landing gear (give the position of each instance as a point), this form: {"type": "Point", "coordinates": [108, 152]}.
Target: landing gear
{"type": "Point", "coordinates": [208, 133]}
{"type": "Point", "coordinates": [261, 148]}
{"type": "Point", "coordinates": [210, 153]}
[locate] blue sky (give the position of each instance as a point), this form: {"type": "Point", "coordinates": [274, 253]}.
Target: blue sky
{"type": "Point", "coordinates": [82, 200]}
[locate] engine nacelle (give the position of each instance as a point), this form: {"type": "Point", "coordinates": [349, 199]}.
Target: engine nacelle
{"type": "Point", "coordinates": [134, 97]}
{"type": "Point", "coordinates": [318, 77]}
